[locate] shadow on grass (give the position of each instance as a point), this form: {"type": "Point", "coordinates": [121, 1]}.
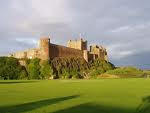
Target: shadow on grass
{"type": "Point", "coordinates": [16, 82]}
{"type": "Point", "coordinates": [91, 108]}
{"type": "Point", "coordinates": [33, 105]}
{"type": "Point", "coordinates": [144, 107]}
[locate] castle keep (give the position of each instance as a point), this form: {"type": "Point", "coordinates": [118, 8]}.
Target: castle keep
{"type": "Point", "coordinates": [75, 48]}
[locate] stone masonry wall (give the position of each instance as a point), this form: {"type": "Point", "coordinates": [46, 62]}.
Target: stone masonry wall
{"type": "Point", "coordinates": [31, 53]}
{"type": "Point", "coordinates": [62, 51]}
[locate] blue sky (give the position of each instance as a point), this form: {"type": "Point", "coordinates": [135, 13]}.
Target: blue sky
{"type": "Point", "coordinates": [122, 26]}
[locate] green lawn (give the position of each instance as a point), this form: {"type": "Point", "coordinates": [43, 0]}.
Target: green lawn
{"type": "Point", "coordinates": [76, 96]}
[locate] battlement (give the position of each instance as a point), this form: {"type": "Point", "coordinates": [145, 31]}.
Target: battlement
{"type": "Point", "coordinates": [75, 48]}
{"type": "Point", "coordinates": [77, 44]}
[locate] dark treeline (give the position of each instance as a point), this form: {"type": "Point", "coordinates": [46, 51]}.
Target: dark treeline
{"type": "Point", "coordinates": [64, 68]}
{"type": "Point", "coordinates": [11, 69]}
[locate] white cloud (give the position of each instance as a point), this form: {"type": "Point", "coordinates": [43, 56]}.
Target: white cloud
{"type": "Point", "coordinates": [125, 53]}
{"type": "Point", "coordinates": [22, 16]}
{"type": "Point", "coordinates": [50, 10]}
{"type": "Point", "coordinates": [121, 29]}
{"type": "Point", "coordinates": [118, 51]}
{"type": "Point", "coordinates": [131, 28]}
{"type": "Point", "coordinates": [27, 41]}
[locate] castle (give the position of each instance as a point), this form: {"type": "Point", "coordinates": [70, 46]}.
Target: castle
{"type": "Point", "coordinates": [75, 48]}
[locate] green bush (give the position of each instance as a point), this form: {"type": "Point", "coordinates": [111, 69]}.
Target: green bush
{"type": "Point", "coordinates": [75, 73]}
{"type": "Point", "coordinates": [23, 75]}
{"type": "Point", "coordinates": [99, 66]}
{"type": "Point", "coordinates": [69, 67]}
{"type": "Point", "coordinates": [65, 73]}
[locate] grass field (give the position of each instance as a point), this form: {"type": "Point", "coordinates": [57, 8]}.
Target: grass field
{"type": "Point", "coordinates": [76, 96]}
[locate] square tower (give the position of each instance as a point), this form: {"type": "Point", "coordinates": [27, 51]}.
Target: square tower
{"type": "Point", "coordinates": [44, 46]}
{"type": "Point", "coordinates": [77, 44]}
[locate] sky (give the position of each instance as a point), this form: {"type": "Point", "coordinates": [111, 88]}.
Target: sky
{"type": "Point", "coordinates": [122, 26]}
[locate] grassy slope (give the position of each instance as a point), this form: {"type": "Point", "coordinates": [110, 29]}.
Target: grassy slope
{"type": "Point", "coordinates": [75, 96]}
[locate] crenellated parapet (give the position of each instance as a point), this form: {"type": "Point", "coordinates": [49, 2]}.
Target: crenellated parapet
{"type": "Point", "coordinates": [77, 44]}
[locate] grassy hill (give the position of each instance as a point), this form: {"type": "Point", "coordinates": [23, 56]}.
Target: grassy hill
{"type": "Point", "coordinates": [127, 72]}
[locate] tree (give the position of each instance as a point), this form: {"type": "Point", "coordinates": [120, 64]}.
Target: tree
{"type": "Point", "coordinates": [34, 69]}
{"type": "Point", "coordinates": [23, 75]}
{"type": "Point", "coordinates": [10, 68]}
{"type": "Point", "coordinates": [46, 70]}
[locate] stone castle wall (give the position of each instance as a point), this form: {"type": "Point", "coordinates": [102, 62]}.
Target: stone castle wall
{"type": "Point", "coordinates": [62, 51]}
{"type": "Point", "coordinates": [19, 55]}
{"type": "Point", "coordinates": [77, 48]}
{"type": "Point", "coordinates": [31, 53]}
